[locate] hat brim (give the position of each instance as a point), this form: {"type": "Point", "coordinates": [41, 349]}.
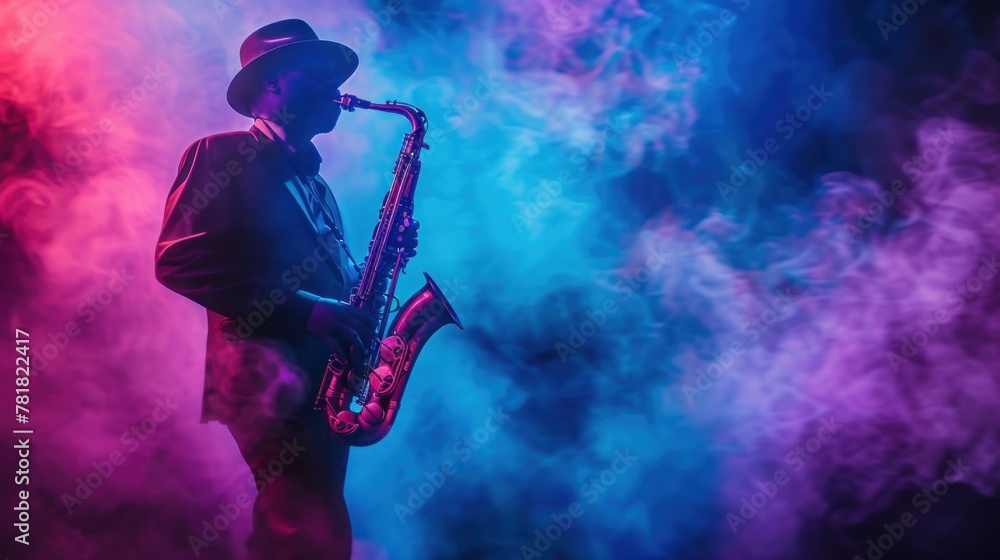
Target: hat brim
{"type": "Point", "coordinates": [246, 82]}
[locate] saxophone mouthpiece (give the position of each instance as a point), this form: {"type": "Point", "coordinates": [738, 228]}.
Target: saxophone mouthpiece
{"type": "Point", "coordinates": [351, 102]}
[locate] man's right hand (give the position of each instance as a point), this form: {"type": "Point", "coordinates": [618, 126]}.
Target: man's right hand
{"type": "Point", "coordinates": [345, 329]}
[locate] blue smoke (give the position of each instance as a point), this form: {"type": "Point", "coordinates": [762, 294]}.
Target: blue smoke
{"type": "Point", "coordinates": [689, 285]}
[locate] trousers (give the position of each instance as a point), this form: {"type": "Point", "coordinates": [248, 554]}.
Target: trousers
{"type": "Point", "coordinates": [299, 469]}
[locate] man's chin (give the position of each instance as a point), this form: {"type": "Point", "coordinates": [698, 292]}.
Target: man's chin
{"type": "Point", "coordinates": [328, 123]}
{"type": "Point", "coordinates": [323, 126]}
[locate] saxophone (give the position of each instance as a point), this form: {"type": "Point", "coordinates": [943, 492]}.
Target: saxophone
{"type": "Point", "coordinates": [376, 390]}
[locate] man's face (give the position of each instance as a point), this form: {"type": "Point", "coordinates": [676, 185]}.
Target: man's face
{"type": "Point", "coordinates": [308, 90]}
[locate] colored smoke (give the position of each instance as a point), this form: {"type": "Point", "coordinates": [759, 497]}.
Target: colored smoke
{"type": "Point", "coordinates": [694, 245]}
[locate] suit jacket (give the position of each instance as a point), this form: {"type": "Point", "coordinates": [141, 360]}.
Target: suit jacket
{"type": "Point", "coordinates": [238, 239]}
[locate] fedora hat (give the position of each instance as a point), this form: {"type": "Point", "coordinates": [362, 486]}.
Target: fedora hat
{"type": "Point", "coordinates": [269, 46]}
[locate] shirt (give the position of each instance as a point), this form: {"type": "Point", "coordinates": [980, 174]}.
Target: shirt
{"type": "Point", "coordinates": [316, 193]}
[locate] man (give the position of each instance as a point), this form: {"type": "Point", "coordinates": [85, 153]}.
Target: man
{"type": "Point", "coordinates": [253, 234]}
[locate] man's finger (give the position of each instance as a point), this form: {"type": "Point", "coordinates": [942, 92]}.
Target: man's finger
{"type": "Point", "coordinates": [336, 348]}
{"type": "Point", "coordinates": [356, 316]}
{"type": "Point", "coordinates": [349, 327]}
{"type": "Point", "coordinates": [358, 352]}
{"type": "Point", "coordinates": [354, 328]}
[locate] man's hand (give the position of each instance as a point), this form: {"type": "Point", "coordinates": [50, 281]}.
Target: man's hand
{"type": "Point", "coordinates": [404, 236]}
{"type": "Point", "coordinates": [345, 329]}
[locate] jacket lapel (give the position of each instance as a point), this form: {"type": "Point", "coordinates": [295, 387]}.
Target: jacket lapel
{"type": "Point", "coordinates": [281, 171]}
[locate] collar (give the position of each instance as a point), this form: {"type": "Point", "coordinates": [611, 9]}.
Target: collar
{"type": "Point", "coordinates": [304, 159]}
{"type": "Point", "coordinates": [267, 126]}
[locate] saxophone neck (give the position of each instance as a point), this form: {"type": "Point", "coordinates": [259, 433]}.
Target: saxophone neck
{"type": "Point", "coordinates": [417, 118]}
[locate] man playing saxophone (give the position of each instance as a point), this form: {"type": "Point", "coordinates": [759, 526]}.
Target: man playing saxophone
{"type": "Point", "coordinates": [253, 234]}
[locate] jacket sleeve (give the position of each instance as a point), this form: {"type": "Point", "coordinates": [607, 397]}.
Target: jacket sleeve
{"type": "Point", "coordinates": [199, 253]}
